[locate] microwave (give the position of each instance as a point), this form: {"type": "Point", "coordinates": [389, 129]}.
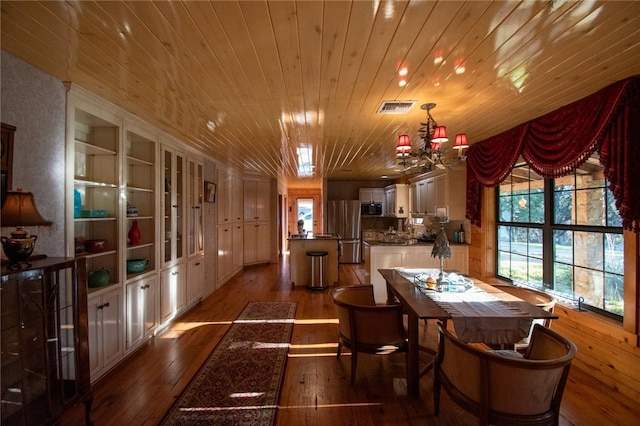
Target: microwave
{"type": "Point", "coordinates": [371, 209]}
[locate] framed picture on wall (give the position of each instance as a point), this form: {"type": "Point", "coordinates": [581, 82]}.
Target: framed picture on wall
{"type": "Point", "coordinates": [209, 192]}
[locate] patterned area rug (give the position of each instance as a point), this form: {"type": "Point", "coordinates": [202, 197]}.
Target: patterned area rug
{"type": "Point", "coordinates": [239, 384]}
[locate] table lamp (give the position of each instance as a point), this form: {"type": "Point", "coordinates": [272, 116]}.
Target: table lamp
{"type": "Point", "coordinates": [19, 210]}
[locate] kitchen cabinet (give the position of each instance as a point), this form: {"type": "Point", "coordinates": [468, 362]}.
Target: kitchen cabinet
{"type": "Point", "coordinates": [173, 295]}
{"type": "Point", "coordinates": [142, 318]}
{"type": "Point", "coordinates": [372, 195]}
{"type": "Point", "coordinates": [397, 200]}
{"type": "Point", "coordinates": [439, 189]}
{"type": "Point", "coordinates": [299, 261]}
{"type": "Point", "coordinates": [256, 245]}
{"type": "Point", "coordinates": [106, 342]}
{"type": "Point", "coordinates": [45, 356]}
{"type": "Point", "coordinates": [195, 280]}
{"type": "Point", "coordinates": [256, 200]}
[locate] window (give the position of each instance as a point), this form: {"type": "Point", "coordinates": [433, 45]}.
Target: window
{"type": "Point", "coordinates": [562, 235]}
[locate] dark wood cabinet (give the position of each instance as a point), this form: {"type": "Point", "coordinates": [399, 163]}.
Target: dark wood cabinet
{"type": "Point", "coordinates": [45, 351]}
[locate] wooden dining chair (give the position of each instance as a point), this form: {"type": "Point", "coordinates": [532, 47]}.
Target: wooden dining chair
{"type": "Point", "coordinates": [505, 390]}
{"type": "Point", "coordinates": [365, 327]}
{"type": "Point", "coordinates": [535, 297]}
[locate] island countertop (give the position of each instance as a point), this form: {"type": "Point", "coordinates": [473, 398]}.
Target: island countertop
{"type": "Point", "coordinates": [298, 248]}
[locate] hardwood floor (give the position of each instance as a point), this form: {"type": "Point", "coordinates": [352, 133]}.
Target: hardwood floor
{"type": "Point", "coordinates": [316, 388]}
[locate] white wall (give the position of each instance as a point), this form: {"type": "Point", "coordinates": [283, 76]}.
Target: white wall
{"type": "Point", "coordinates": [35, 103]}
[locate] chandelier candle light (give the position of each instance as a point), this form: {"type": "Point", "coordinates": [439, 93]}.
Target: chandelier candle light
{"type": "Point", "coordinates": [430, 155]}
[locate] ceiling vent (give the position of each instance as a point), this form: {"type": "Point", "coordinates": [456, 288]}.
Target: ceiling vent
{"type": "Point", "coordinates": [395, 107]}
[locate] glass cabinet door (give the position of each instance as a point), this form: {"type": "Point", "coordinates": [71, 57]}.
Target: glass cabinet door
{"type": "Point", "coordinates": [195, 241]}
{"type": "Point", "coordinates": [173, 206]}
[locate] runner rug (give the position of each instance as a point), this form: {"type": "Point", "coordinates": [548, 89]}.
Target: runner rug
{"type": "Point", "coordinates": [239, 384]}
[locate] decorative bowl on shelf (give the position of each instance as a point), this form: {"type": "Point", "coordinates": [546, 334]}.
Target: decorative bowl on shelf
{"type": "Point", "coordinates": [95, 246]}
{"type": "Point", "coordinates": [98, 278]}
{"type": "Point", "coordinates": [137, 265]}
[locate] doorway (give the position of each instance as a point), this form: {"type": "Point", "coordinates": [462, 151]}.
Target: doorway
{"type": "Point", "coordinates": [304, 210]}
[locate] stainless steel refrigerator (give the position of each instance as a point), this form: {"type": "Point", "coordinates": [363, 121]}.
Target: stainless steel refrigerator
{"type": "Point", "coordinates": [343, 218]}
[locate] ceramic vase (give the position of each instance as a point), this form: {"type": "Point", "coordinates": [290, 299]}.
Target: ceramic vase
{"type": "Point", "coordinates": [134, 234]}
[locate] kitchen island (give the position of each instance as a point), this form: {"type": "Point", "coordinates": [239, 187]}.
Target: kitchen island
{"type": "Point", "coordinates": [298, 248]}
{"type": "Point", "coordinates": [414, 255]}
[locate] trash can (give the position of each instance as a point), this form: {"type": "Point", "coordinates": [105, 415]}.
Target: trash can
{"type": "Point", "coordinates": [317, 269]}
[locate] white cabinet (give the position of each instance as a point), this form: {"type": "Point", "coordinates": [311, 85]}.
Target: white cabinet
{"type": "Point", "coordinates": [397, 200]}
{"type": "Point", "coordinates": [237, 246]}
{"type": "Point", "coordinates": [195, 280]}
{"type": "Point", "coordinates": [256, 243]}
{"type": "Point", "coordinates": [372, 195]}
{"type": "Point", "coordinates": [230, 228]}
{"type": "Point", "coordinates": [141, 315]}
{"type": "Point", "coordinates": [237, 199]}
{"type": "Point", "coordinates": [225, 252]}
{"type": "Point", "coordinates": [443, 188]}
{"type": "Point", "coordinates": [224, 197]}
{"type": "Point", "coordinates": [195, 188]}
{"type": "Point", "coordinates": [173, 293]}
{"type": "Point", "coordinates": [256, 200]}
{"type": "Point", "coordinates": [105, 330]}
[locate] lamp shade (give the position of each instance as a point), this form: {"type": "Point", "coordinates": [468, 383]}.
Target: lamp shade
{"type": "Point", "coordinates": [19, 209]}
{"type": "Point", "coordinates": [461, 141]}
{"type": "Point", "coordinates": [440, 135]}
{"type": "Point", "coordinates": [404, 146]}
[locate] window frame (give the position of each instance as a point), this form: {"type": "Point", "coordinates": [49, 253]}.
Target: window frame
{"type": "Point", "coordinates": [548, 227]}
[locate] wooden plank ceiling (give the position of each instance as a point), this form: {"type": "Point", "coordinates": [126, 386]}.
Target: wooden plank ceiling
{"type": "Point", "coordinates": [291, 89]}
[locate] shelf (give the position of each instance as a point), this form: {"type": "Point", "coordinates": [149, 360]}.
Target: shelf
{"type": "Point", "coordinates": [89, 149]}
{"type": "Point", "coordinates": [94, 255]}
{"type": "Point", "coordinates": [138, 189]}
{"type": "Point", "coordinates": [81, 181]}
{"type": "Point", "coordinates": [133, 161]}
{"type": "Point", "coordinates": [139, 246]}
{"type": "Point", "coordinates": [94, 219]}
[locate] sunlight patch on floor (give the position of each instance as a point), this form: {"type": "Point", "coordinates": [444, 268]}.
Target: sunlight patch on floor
{"type": "Point", "coordinates": [179, 328]}
{"type": "Point", "coordinates": [316, 321]}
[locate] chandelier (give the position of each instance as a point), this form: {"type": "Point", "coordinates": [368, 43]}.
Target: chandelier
{"type": "Point", "coordinates": [430, 154]}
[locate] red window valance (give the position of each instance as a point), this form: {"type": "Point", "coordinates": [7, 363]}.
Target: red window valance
{"type": "Point", "coordinates": [555, 144]}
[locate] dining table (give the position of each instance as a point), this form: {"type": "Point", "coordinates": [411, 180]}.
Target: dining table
{"type": "Point", "coordinates": [480, 313]}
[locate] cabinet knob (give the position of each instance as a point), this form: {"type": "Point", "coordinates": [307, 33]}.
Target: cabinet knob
{"type": "Point", "coordinates": [104, 305]}
{"type": "Point", "coordinates": [198, 264]}
{"type": "Point", "coordinates": [175, 206]}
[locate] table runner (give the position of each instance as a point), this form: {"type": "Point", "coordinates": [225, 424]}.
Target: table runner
{"type": "Point", "coordinates": [477, 315]}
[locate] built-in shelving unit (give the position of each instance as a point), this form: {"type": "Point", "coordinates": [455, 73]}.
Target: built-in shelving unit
{"type": "Point", "coordinates": [96, 180]}
{"type": "Point", "coordinates": [123, 173]}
